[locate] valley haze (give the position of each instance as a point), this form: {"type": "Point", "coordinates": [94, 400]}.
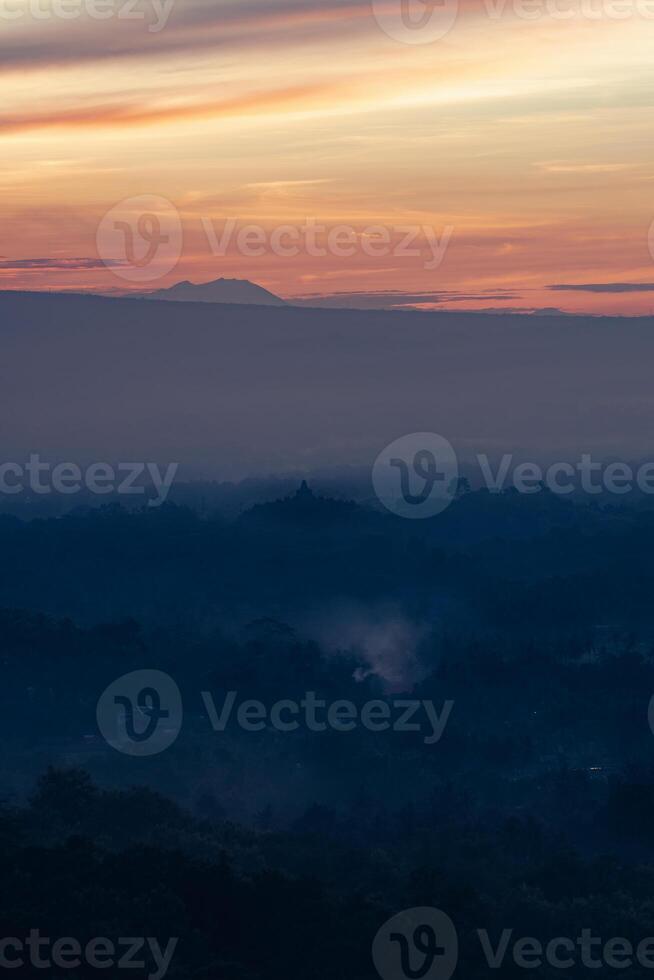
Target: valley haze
{"type": "Point", "coordinates": [230, 391]}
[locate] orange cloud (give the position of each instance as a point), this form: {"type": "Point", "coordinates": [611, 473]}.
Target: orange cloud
{"type": "Point", "coordinates": [127, 115]}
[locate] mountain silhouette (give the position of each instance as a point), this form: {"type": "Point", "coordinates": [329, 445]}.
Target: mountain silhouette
{"type": "Point", "coordinates": [218, 291]}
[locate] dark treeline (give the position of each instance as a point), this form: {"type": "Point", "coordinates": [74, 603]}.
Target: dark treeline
{"type": "Point", "coordinates": [265, 851]}
{"type": "Point", "coordinates": [256, 903]}
{"type": "Point", "coordinates": [508, 560]}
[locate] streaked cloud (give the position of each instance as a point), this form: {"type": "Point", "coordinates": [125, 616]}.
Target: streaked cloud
{"type": "Point", "coordinates": [389, 299]}
{"type": "Point", "coordinates": [122, 115]}
{"type": "Point", "coordinates": [533, 141]}
{"type": "Point", "coordinates": [193, 27]}
{"type": "Point", "coordinates": [65, 264]}
{"type": "Point", "coordinates": [605, 287]}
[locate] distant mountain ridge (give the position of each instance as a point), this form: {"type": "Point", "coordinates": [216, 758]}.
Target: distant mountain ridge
{"type": "Point", "coordinates": [218, 291]}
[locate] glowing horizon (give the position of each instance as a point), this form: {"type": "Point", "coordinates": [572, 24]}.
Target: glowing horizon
{"type": "Point", "coordinates": [530, 138]}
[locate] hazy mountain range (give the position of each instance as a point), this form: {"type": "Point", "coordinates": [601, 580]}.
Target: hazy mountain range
{"type": "Point", "coordinates": [245, 292]}
{"type": "Point", "coordinates": [218, 291]}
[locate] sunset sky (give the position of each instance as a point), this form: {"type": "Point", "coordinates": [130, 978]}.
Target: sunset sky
{"type": "Point", "coordinates": [532, 139]}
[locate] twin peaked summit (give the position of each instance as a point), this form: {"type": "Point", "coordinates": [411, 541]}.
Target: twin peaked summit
{"type": "Point", "coordinates": [218, 291]}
